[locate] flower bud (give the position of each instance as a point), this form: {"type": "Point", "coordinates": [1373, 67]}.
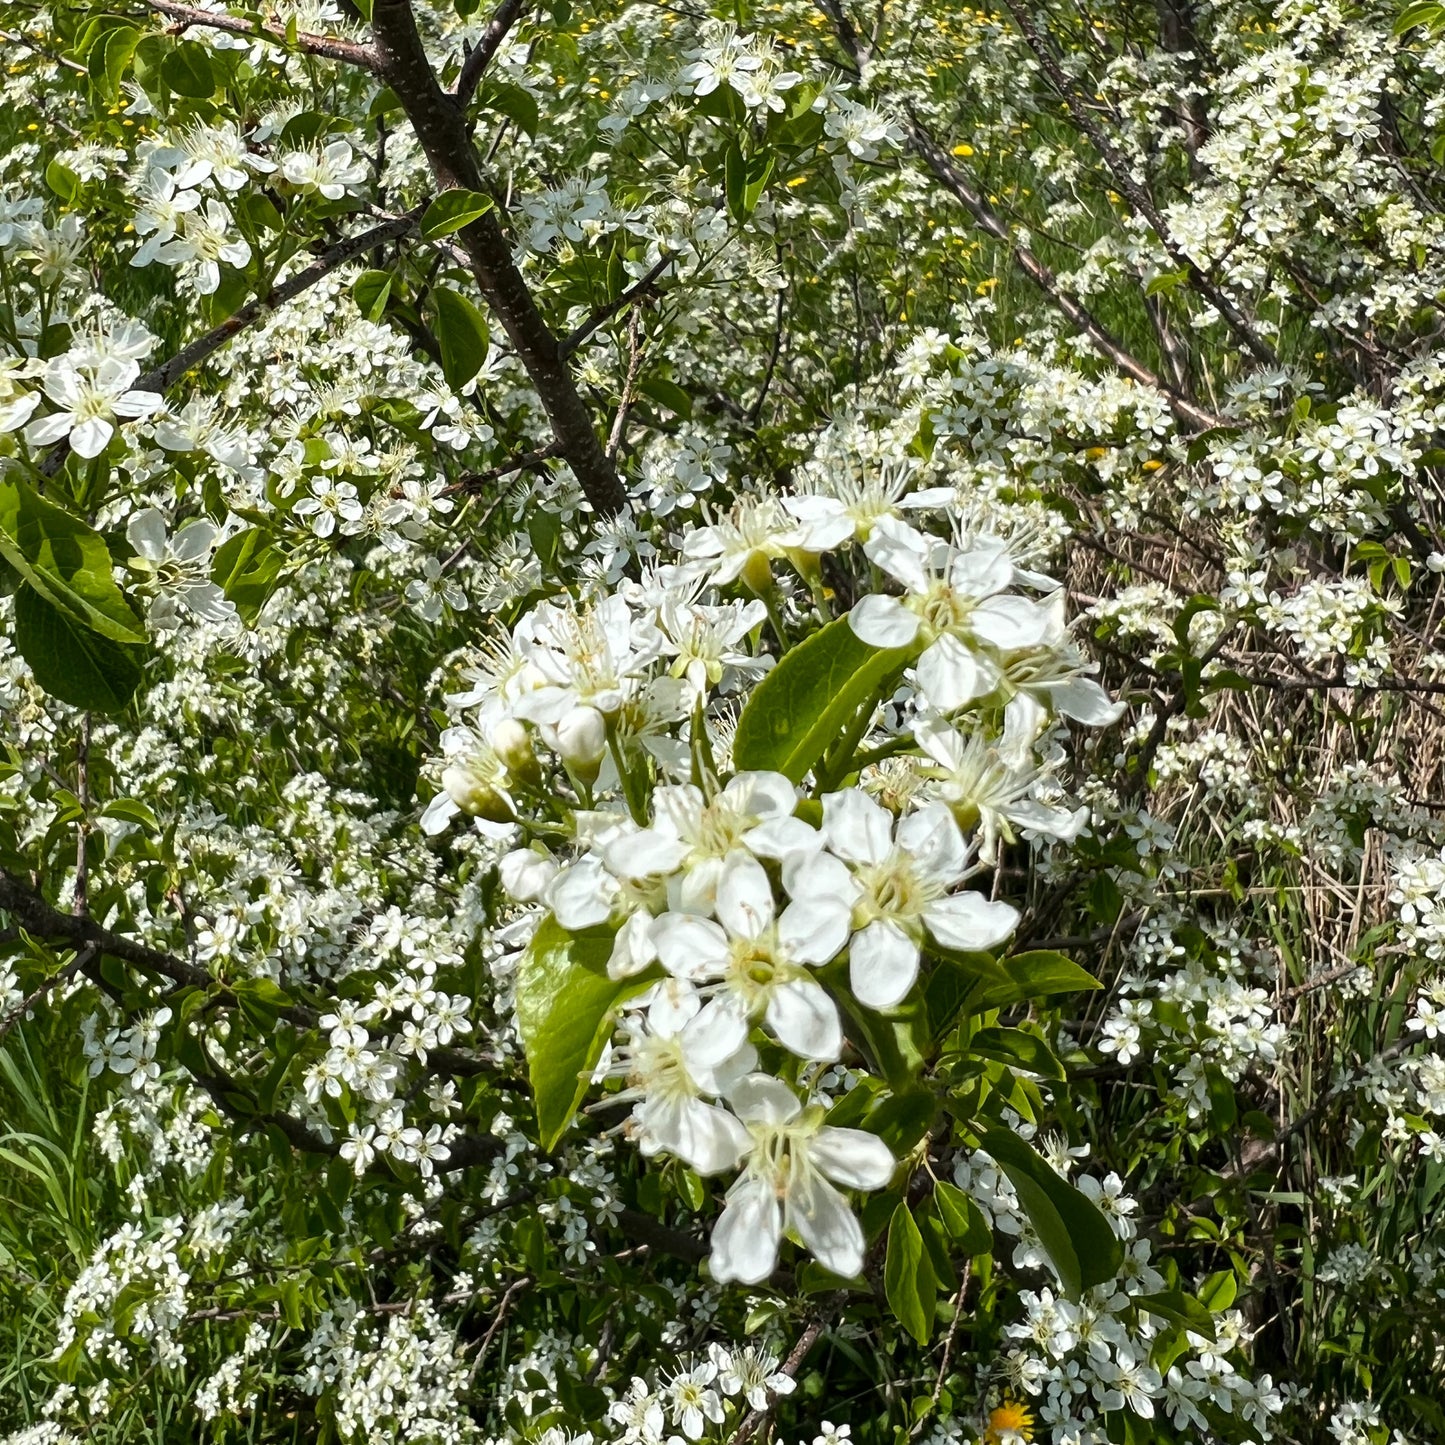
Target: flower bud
{"type": "Point", "coordinates": [525, 873]}
{"type": "Point", "coordinates": [473, 792]}
{"type": "Point", "coordinates": [582, 742]}
{"type": "Point", "coordinates": [513, 745]}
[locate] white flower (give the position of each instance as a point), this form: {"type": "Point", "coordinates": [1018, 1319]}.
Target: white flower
{"type": "Point", "coordinates": [753, 1373]}
{"type": "Point", "coordinates": [898, 888]}
{"type": "Point", "coordinates": [753, 962]}
{"type": "Point", "coordinates": [785, 1186]}
{"type": "Point", "coordinates": [985, 791]}
{"type": "Point", "coordinates": [691, 837]}
{"type": "Point", "coordinates": [691, 1400]}
{"type": "Point", "coordinates": [329, 171]}
{"type": "Point", "coordinates": [670, 1066]}
{"type": "Point", "coordinates": [179, 568]}
{"type": "Point", "coordinates": [952, 602]}
{"type": "Point", "coordinates": [90, 402]}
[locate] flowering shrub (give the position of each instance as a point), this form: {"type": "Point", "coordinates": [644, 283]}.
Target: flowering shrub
{"type": "Point", "coordinates": [721, 724]}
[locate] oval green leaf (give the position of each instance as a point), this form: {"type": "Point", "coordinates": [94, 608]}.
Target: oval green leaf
{"type": "Point", "coordinates": [805, 702]}
{"type": "Point", "coordinates": [462, 334]}
{"type": "Point", "coordinates": [69, 660]}
{"type": "Point", "coordinates": [1074, 1233]}
{"type": "Point", "coordinates": [452, 210]}
{"type": "Point", "coordinates": [908, 1280]}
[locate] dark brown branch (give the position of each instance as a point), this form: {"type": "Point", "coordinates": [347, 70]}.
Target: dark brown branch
{"type": "Point", "coordinates": [441, 129]}
{"type": "Point", "coordinates": [754, 1420]}
{"type": "Point", "coordinates": [475, 481]}
{"type": "Point", "coordinates": [328, 46]}
{"type": "Point", "coordinates": [604, 314]}
{"type": "Point", "coordinates": [165, 376]}
{"type": "Point", "coordinates": [475, 65]}
{"type": "Point", "coordinates": [1135, 193]}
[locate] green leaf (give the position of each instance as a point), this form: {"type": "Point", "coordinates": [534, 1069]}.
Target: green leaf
{"type": "Point", "coordinates": [1073, 1232]}
{"type": "Point", "coordinates": [371, 291]}
{"type": "Point", "coordinates": [1030, 976]}
{"type": "Point", "coordinates": [463, 336]}
{"type": "Point", "coordinates": [1429, 13]}
{"type": "Point", "coordinates": [516, 104]}
{"type": "Point", "coordinates": [187, 70]}
{"type": "Point", "coordinates": [69, 660]}
{"type": "Point", "coordinates": [564, 1015]}
{"type": "Point", "coordinates": [451, 211]}
{"type": "Point", "coordinates": [805, 702]}
{"type": "Point", "coordinates": [668, 394]}
{"type": "Point", "coordinates": [1166, 281]}
{"type": "Point", "coordinates": [247, 568]}
{"type": "Point", "coordinates": [1183, 1309]}
{"type": "Point", "coordinates": [1019, 1050]}
{"type": "Point", "coordinates": [908, 1280]}
{"type": "Point", "coordinates": [1218, 1291]}
{"type": "Point", "coordinates": [962, 1218]}
{"type": "Point", "coordinates": [132, 810]}
{"type": "Point", "coordinates": [62, 180]}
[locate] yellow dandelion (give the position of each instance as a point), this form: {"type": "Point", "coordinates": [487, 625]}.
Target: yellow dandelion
{"type": "Point", "coordinates": [1152, 465]}
{"type": "Point", "coordinates": [1011, 1423]}
{"type": "Point", "coordinates": [964, 150]}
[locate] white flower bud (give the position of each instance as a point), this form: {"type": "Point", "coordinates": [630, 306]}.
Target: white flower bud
{"type": "Point", "coordinates": [525, 874]}
{"type": "Point", "coordinates": [473, 792]}
{"type": "Point", "coordinates": [582, 742]}
{"type": "Point", "coordinates": [513, 745]}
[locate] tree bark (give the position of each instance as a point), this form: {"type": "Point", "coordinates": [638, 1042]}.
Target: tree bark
{"type": "Point", "coordinates": [440, 126]}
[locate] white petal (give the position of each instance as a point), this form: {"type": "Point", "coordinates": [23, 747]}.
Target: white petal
{"type": "Point", "coordinates": [852, 1157]}
{"type": "Point", "coordinates": [932, 839]}
{"type": "Point", "coordinates": [719, 1031]}
{"type": "Point", "coordinates": [745, 1238]}
{"type": "Point", "coordinates": [46, 429]}
{"type": "Point", "coordinates": [1082, 699]}
{"type": "Point", "coordinates": [762, 795]}
{"type": "Point", "coordinates": [901, 551]}
{"type": "Point", "coordinates": [1023, 720]}
{"type": "Point", "coordinates": [194, 540]}
{"type": "Point", "coordinates": [689, 946]}
{"type": "Point", "coordinates": [783, 838]}
{"type": "Point", "coordinates": [582, 896]}
{"type": "Point", "coordinates": [970, 921]}
{"type": "Point", "coordinates": [762, 1099]}
{"type": "Point", "coordinates": [646, 852]}
{"type": "Point", "coordinates": [437, 814]}
{"type": "Point", "coordinates": [805, 1020]}
{"type": "Point", "coordinates": [705, 1136]}
{"type": "Point", "coordinates": [819, 875]}
{"type": "Point", "coordinates": [1051, 822]}
{"type": "Point", "coordinates": [89, 438]}
{"type": "Point", "coordinates": [949, 674]}
{"type": "Point", "coordinates": [633, 950]}
{"type": "Point", "coordinates": [857, 828]}
{"type": "Point", "coordinates": [882, 964]}
{"type": "Point", "coordinates": [814, 929]}
{"type": "Point", "coordinates": [146, 532]}
{"type": "Point", "coordinates": [744, 896]}
{"type": "Point", "coordinates": [883, 621]}
{"type": "Point", "coordinates": [1010, 622]}
{"type": "Point", "coordinates": [823, 1221]}
{"type": "Point", "coordinates": [983, 570]}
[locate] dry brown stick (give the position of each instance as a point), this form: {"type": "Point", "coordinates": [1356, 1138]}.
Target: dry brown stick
{"type": "Point", "coordinates": [754, 1420]}
{"type": "Point", "coordinates": [328, 46]}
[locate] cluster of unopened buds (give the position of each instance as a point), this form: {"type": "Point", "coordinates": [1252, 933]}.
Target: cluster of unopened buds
{"type": "Point", "coordinates": [755, 914]}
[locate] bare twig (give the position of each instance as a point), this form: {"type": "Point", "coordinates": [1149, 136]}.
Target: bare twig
{"type": "Point", "coordinates": [78, 964]}
{"type": "Point", "coordinates": [753, 1421]}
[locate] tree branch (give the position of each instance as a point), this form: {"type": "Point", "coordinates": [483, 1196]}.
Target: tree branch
{"type": "Point", "coordinates": [165, 376]}
{"type": "Point", "coordinates": [1137, 196]}
{"type": "Point", "coordinates": [349, 51]}
{"type": "Point", "coordinates": [604, 314]}
{"type": "Point", "coordinates": [441, 129]}
{"type": "Point", "coordinates": [474, 67]}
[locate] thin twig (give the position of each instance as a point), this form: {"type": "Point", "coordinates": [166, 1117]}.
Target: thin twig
{"type": "Point", "coordinates": [604, 314]}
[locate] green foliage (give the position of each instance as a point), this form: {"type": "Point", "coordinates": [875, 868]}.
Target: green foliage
{"type": "Point", "coordinates": [802, 706]}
